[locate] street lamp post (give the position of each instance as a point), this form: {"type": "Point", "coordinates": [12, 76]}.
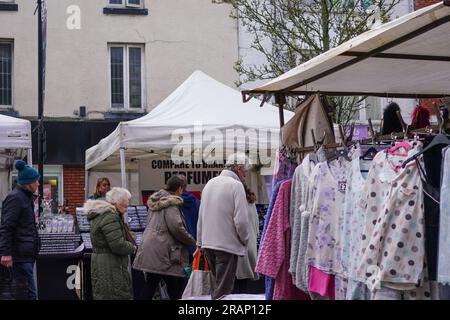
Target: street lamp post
{"type": "Point", "coordinates": [40, 106]}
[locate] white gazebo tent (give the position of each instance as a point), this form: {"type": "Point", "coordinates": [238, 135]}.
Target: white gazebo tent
{"type": "Point", "coordinates": [199, 107]}
{"type": "Point", "coordinates": [406, 58]}
{"type": "Point", "coordinates": [15, 142]}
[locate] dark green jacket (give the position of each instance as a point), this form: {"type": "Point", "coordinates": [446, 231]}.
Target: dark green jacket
{"type": "Point", "coordinates": [109, 264]}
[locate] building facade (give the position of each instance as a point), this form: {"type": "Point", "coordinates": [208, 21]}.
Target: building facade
{"type": "Point", "coordinates": [106, 61]}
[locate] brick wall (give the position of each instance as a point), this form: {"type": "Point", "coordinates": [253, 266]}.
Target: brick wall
{"type": "Point", "coordinates": [74, 177]}
{"type": "Point", "coordinates": [418, 4]}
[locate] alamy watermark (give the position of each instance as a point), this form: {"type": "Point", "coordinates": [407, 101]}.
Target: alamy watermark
{"type": "Point", "coordinates": [73, 22]}
{"type": "Point", "coordinates": [202, 144]}
{"type": "Point", "coordinates": [373, 282]}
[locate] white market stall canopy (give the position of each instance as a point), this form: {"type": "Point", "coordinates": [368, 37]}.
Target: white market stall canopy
{"type": "Point", "coordinates": [14, 133]}
{"type": "Point", "coordinates": [200, 105]}
{"type": "Point", "coordinates": [15, 139]}
{"type": "Point", "coordinates": [405, 58]}
{"type": "Point", "coordinates": [15, 142]}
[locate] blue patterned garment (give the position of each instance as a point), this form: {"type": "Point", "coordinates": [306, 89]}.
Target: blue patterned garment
{"type": "Point", "coordinates": [285, 168]}
{"type": "Point", "coordinates": [444, 225]}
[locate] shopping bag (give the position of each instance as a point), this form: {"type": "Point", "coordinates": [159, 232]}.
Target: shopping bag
{"type": "Point", "coordinates": [12, 288]}
{"type": "Point", "coordinates": [200, 280]}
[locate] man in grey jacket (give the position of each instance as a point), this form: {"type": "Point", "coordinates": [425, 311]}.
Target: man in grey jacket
{"type": "Point", "coordinates": [223, 226]}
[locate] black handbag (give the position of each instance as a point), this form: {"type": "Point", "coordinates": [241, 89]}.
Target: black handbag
{"type": "Point", "coordinates": [12, 288]}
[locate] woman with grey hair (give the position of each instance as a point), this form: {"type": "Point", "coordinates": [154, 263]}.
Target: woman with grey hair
{"type": "Point", "coordinates": [109, 263]}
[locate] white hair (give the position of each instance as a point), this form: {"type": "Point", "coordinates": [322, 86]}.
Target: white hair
{"type": "Point", "coordinates": [118, 195]}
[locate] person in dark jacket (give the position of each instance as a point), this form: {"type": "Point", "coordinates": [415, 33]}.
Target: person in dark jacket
{"type": "Point", "coordinates": [19, 238]}
{"type": "Point", "coordinates": [112, 246]}
{"type": "Point", "coordinates": [190, 209]}
{"type": "Point", "coordinates": [163, 253]}
{"type": "Point", "coordinates": [391, 121]}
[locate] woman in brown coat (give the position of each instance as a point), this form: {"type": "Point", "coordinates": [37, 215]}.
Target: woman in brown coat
{"type": "Point", "coordinates": [164, 250]}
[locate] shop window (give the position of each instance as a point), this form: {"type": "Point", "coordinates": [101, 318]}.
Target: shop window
{"type": "Point", "coordinates": [8, 5]}
{"type": "Point", "coordinates": [373, 108]}
{"type": "Point", "coordinates": [126, 3]}
{"type": "Point", "coordinates": [127, 7]}
{"type": "Point", "coordinates": [6, 73]}
{"type": "Point", "coordinates": [127, 76]}
{"type": "Point", "coordinates": [53, 185]}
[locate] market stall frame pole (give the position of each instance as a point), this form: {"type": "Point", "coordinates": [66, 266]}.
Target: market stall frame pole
{"type": "Point", "coordinates": [30, 156]}
{"type": "Point", "coordinates": [86, 183]}
{"type": "Point", "coordinates": [280, 101]}
{"type": "Point", "coordinates": [123, 173]}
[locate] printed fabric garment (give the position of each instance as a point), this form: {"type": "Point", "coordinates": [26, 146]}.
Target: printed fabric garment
{"type": "Point", "coordinates": [284, 169]}
{"type": "Point", "coordinates": [268, 281]}
{"type": "Point", "coordinates": [422, 291]}
{"type": "Point", "coordinates": [353, 227]}
{"type": "Point", "coordinates": [357, 290]}
{"type": "Point", "coordinates": [325, 224]}
{"type": "Point", "coordinates": [299, 192]}
{"type": "Point", "coordinates": [393, 247]}
{"type": "Point", "coordinates": [391, 294]}
{"type": "Point", "coordinates": [273, 259]}
{"type": "Point", "coordinates": [341, 287]}
{"type": "Point", "coordinates": [444, 225]}
{"type": "Point", "coordinates": [322, 283]}
{"type": "Point", "coordinates": [302, 267]}
{"type": "Point", "coordinates": [353, 220]}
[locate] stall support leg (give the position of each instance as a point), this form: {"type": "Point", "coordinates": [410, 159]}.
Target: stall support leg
{"type": "Point", "coordinates": [281, 115]}
{"type": "Point", "coordinates": [123, 173]}
{"type": "Point", "coordinates": [280, 100]}
{"type": "Point", "coordinates": [30, 157]}
{"type": "Point", "coordinates": [86, 183]}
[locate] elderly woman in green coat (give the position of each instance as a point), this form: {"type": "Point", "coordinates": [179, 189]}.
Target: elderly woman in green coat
{"type": "Point", "coordinates": [110, 277]}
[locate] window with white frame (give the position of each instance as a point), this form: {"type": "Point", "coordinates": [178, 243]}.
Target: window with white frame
{"type": "Point", "coordinates": [126, 3]}
{"type": "Point", "coordinates": [127, 76]}
{"type": "Point", "coordinates": [372, 109]}
{"type": "Point", "coordinates": [53, 184]}
{"type": "Point", "coordinates": [6, 73]}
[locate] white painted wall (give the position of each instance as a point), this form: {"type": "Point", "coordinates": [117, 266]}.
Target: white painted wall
{"type": "Point", "coordinates": [180, 36]}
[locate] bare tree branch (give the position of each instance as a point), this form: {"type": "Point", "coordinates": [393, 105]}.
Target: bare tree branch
{"type": "Point", "coordinates": [290, 32]}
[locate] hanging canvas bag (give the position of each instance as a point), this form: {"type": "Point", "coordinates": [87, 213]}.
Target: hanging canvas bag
{"type": "Point", "coordinates": [200, 280]}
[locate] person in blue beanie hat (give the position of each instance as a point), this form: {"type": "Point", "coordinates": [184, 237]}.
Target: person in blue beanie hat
{"type": "Point", "coordinates": [19, 239]}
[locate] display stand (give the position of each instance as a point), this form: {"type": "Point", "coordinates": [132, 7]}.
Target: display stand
{"type": "Point", "coordinates": [58, 262]}
{"type": "Point", "coordinates": [137, 221]}
{"type": "Point", "coordinates": [56, 276]}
